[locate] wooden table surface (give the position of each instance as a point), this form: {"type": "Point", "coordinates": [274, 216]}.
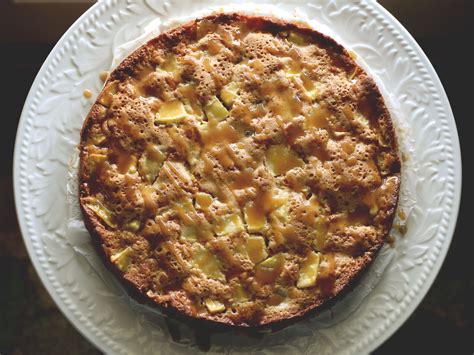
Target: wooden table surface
{"type": "Point", "coordinates": [30, 322]}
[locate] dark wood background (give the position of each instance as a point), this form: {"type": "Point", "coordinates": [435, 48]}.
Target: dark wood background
{"type": "Point", "coordinates": [30, 323]}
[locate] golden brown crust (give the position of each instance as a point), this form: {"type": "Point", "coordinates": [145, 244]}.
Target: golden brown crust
{"type": "Point", "coordinates": [353, 174]}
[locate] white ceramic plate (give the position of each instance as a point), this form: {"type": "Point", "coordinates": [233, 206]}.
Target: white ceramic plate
{"type": "Point", "coordinates": [49, 130]}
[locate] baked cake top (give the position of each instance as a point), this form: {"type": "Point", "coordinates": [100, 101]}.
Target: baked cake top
{"type": "Point", "coordinates": [239, 169]}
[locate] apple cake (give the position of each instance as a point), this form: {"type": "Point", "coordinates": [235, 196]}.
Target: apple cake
{"type": "Point", "coordinates": [239, 169]}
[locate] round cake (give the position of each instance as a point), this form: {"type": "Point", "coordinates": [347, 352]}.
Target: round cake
{"type": "Point", "coordinates": [239, 169]}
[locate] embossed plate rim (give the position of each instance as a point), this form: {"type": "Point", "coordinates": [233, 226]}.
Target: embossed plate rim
{"type": "Point", "coordinates": [86, 332]}
{"type": "Point", "coordinates": [390, 330]}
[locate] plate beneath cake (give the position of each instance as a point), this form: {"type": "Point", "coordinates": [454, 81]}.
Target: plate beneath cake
{"type": "Point", "coordinates": [49, 131]}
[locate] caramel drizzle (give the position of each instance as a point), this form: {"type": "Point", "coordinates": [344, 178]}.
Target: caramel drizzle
{"type": "Point", "coordinates": [179, 140]}
{"type": "Point", "coordinates": [178, 173]}
{"type": "Point", "coordinates": [216, 144]}
{"type": "Point", "coordinates": [243, 180]}
{"type": "Point", "coordinates": [171, 177]}
{"type": "Point", "coordinates": [162, 225]}
{"type": "Point", "coordinates": [282, 102]}
{"type": "Point", "coordinates": [149, 203]}
{"type": "Point", "coordinates": [360, 216]}
{"type": "Point", "coordinates": [220, 134]}
{"type": "Point", "coordinates": [188, 215]}
{"type": "Point", "coordinates": [233, 155]}
{"type": "Point", "coordinates": [222, 155]}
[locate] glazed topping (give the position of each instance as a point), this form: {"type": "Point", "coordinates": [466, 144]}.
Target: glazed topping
{"type": "Point", "coordinates": [239, 166]}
